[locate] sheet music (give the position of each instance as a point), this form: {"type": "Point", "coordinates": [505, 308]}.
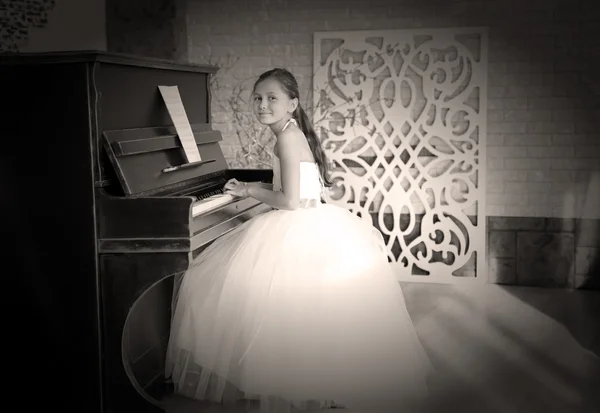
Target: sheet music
{"type": "Point", "coordinates": [176, 110]}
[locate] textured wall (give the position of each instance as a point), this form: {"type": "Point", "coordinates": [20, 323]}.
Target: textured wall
{"type": "Point", "coordinates": [52, 25]}
{"type": "Point", "coordinates": [544, 111]}
{"type": "Point", "coordinates": [155, 28]}
{"type": "Point", "coordinates": [17, 17]}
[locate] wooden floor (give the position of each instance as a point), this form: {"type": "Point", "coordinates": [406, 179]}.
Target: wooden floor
{"type": "Point", "coordinates": [499, 349]}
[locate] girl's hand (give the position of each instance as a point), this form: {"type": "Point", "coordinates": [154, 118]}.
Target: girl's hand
{"type": "Point", "coordinates": [236, 188]}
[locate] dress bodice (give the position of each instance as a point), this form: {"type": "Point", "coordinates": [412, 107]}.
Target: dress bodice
{"type": "Point", "coordinates": [310, 180]}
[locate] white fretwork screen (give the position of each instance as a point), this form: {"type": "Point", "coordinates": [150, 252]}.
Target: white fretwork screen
{"type": "Point", "coordinates": [402, 115]}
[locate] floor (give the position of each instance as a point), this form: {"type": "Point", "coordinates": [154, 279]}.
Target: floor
{"type": "Point", "coordinates": [499, 349]}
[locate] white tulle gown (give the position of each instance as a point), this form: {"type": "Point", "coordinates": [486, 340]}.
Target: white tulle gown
{"type": "Point", "coordinates": [296, 306]}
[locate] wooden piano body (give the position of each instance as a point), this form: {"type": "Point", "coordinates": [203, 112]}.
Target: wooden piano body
{"type": "Point", "coordinates": [87, 139]}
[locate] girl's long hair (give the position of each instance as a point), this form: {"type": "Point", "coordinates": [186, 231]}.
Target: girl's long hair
{"type": "Point", "coordinates": [290, 86]}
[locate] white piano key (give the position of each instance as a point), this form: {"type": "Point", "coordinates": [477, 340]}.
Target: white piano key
{"type": "Point", "coordinates": [210, 203]}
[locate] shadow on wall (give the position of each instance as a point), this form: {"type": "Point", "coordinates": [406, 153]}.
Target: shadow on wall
{"type": "Point", "coordinates": [592, 281]}
{"type": "Point", "coordinates": [580, 42]}
{"type": "Point", "coordinates": [578, 311]}
{"type": "Point", "coordinates": [589, 256]}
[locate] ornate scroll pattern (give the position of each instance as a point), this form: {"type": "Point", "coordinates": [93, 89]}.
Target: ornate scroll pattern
{"type": "Point", "coordinates": [402, 116]}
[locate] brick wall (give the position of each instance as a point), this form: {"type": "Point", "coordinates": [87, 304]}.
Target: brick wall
{"type": "Point", "coordinates": [544, 111]}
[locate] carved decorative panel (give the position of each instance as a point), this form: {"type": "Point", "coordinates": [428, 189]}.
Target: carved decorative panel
{"type": "Point", "coordinates": [402, 115]}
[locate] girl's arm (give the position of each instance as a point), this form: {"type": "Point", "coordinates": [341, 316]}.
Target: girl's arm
{"type": "Point", "coordinates": [288, 197]}
{"type": "Point", "coordinates": [263, 185]}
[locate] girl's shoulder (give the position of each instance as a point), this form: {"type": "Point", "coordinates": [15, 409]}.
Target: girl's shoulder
{"type": "Point", "coordinates": [292, 141]}
{"type": "Point", "coordinates": [291, 137]}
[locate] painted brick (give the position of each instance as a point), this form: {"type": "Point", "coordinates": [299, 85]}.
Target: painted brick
{"type": "Point", "coordinates": [587, 151]}
{"type": "Point", "coordinates": [495, 139]}
{"type": "Point", "coordinates": [550, 127]}
{"type": "Point", "coordinates": [588, 164]}
{"type": "Point", "coordinates": [527, 164]}
{"type": "Point", "coordinates": [507, 127]}
{"type": "Point", "coordinates": [495, 210]}
{"type": "Point", "coordinates": [495, 188]}
{"type": "Point", "coordinates": [586, 127]}
{"type": "Point", "coordinates": [550, 176]}
{"type": "Point", "coordinates": [553, 103]}
{"type": "Point", "coordinates": [311, 25]}
{"type": "Point", "coordinates": [350, 24]}
{"type": "Point", "coordinates": [515, 103]}
{"type": "Point", "coordinates": [527, 115]}
{"type": "Point", "coordinates": [575, 139]}
{"type": "Point", "coordinates": [507, 152]}
{"type": "Point", "coordinates": [548, 152]}
{"type": "Point", "coordinates": [502, 176]}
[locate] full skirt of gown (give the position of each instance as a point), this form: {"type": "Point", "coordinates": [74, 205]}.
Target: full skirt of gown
{"type": "Point", "coordinates": [296, 306]}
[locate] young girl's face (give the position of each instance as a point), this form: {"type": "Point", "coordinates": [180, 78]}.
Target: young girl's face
{"type": "Point", "coordinates": [270, 102]}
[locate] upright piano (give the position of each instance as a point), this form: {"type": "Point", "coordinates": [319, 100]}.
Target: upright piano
{"type": "Point", "coordinates": [101, 220]}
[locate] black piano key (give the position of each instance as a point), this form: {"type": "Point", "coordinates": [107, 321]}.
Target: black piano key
{"type": "Point", "coordinates": [208, 194]}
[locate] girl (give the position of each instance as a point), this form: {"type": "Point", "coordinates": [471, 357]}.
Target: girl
{"type": "Point", "coordinates": [299, 305]}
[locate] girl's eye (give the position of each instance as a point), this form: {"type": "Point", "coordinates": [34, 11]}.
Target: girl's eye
{"type": "Point", "coordinates": [270, 98]}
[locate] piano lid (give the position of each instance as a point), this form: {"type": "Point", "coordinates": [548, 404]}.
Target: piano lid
{"type": "Point", "coordinates": [19, 58]}
{"type": "Point", "coordinates": [151, 161]}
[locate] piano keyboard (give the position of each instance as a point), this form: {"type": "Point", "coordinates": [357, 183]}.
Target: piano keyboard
{"type": "Point", "coordinates": [210, 203]}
